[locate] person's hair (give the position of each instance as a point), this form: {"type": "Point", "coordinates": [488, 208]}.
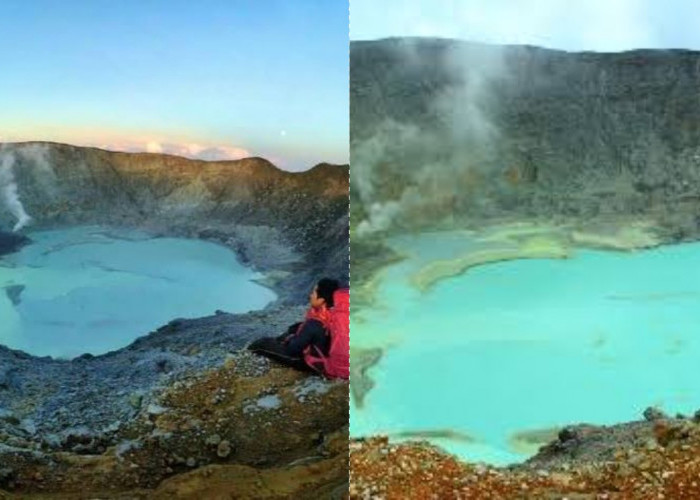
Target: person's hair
{"type": "Point", "coordinates": [325, 289]}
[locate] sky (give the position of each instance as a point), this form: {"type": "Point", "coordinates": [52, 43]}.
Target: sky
{"type": "Point", "coordinates": [211, 79]}
{"type": "Point", "coordinates": [575, 25]}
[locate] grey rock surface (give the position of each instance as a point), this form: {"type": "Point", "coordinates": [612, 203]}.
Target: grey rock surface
{"type": "Point", "coordinates": [11, 242]}
{"type": "Point", "coordinates": [445, 127]}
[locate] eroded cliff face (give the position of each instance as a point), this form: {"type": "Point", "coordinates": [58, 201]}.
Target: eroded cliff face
{"type": "Point", "coordinates": [296, 223]}
{"type": "Point", "coordinates": [443, 130]}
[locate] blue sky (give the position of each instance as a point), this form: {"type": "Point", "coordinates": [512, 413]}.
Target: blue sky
{"type": "Point", "coordinates": [600, 25]}
{"type": "Point", "coordinates": [211, 78]}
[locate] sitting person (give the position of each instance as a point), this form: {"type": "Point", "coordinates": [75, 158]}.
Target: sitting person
{"type": "Point", "coordinates": [292, 347]}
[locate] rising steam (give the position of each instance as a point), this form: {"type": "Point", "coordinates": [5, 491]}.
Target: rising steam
{"type": "Point", "coordinates": [421, 166]}
{"type": "Point", "coordinates": [8, 191]}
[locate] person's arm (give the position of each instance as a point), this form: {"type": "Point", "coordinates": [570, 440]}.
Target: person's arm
{"type": "Point", "coordinates": [311, 331]}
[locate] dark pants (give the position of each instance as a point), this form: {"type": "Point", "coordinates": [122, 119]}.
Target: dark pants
{"type": "Point", "coordinates": [273, 348]}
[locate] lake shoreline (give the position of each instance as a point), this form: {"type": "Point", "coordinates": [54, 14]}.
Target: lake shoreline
{"type": "Point", "coordinates": [375, 373]}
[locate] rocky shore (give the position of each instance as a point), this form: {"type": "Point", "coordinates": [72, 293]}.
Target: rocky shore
{"type": "Point", "coordinates": [11, 242]}
{"type": "Point", "coordinates": [182, 408]}
{"type": "Point", "coordinates": [655, 458]}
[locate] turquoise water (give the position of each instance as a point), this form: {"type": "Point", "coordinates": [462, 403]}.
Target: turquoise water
{"type": "Point", "coordinates": [90, 290]}
{"type": "Point", "coordinates": [532, 344]}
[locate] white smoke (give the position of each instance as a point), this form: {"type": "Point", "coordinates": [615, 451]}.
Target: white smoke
{"type": "Point", "coordinates": [406, 173]}
{"type": "Point", "coordinates": [468, 104]}
{"type": "Point", "coordinates": [380, 218]}
{"type": "Point", "coordinates": [382, 154]}
{"type": "Point", "coordinates": [8, 191]}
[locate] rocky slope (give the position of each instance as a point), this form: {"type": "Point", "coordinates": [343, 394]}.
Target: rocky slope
{"type": "Point", "coordinates": [247, 429]}
{"type": "Point", "coordinates": [65, 426]}
{"type": "Point", "coordinates": [484, 131]}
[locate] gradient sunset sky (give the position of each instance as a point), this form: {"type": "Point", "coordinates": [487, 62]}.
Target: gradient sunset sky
{"type": "Point", "coordinates": [212, 79]}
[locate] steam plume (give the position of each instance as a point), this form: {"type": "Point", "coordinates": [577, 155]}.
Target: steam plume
{"type": "Point", "coordinates": [422, 165]}
{"type": "Point", "coordinates": [8, 191]}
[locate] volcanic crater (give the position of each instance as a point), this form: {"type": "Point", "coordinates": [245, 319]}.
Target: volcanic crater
{"type": "Point", "coordinates": [185, 396]}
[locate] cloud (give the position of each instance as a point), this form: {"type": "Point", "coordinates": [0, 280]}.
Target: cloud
{"type": "Point", "coordinates": [196, 151]}
{"type": "Point", "coordinates": [154, 147]}
{"type": "Point", "coordinates": [208, 153]}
